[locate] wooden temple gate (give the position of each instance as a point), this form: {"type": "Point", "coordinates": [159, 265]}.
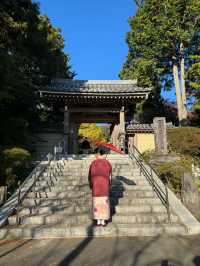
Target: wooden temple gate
{"type": "Point", "coordinates": [94, 101]}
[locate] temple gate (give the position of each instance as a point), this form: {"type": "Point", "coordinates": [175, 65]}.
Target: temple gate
{"type": "Point", "coordinates": [94, 101]}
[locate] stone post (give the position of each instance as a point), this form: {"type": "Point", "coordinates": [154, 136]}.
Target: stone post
{"type": "Point", "coordinates": [122, 128]}
{"type": "Point", "coordinates": [66, 130]}
{"type": "Point", "coordinates": [190, 194]}
{"type": "Point", "coordinates": [160, 132]}
{"type": "Point", "coordinates": [130, 143]}
{"type": "Point", "coordinates": [3, 194]}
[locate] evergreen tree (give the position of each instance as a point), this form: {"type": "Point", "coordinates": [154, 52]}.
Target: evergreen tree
{"type": "Point", "coordinates": [160, 41]}
{"type": "Point", "coordinates": [31, 54]}
{"type": "Point", "coordinates": [193, 76]}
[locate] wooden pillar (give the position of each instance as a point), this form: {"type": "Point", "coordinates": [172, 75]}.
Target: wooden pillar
{"type": "Point", "coordinates": [122, 128]}
{"type": "Point", "coordinates": [66, 130]}
{"type": "Point", "coordinates": [115, 136]}
{"type": "Point", "coordinates": [122, 120]}
{"type": "Point", "coordinates": [74, 128]}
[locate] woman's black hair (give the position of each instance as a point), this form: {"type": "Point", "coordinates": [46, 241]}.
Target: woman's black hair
{"type": "Point", "coordinates": [99, 150]}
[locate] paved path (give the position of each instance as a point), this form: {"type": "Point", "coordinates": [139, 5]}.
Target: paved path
{"type": "Point", "coordinates": [160, 250]}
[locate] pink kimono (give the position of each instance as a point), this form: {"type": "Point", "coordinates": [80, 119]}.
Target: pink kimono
{"type": "Point", "coordinates": [99, 180]}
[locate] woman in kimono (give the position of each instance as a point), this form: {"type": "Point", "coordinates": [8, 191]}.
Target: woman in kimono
{"type": "Point", "coordinates": [99, 179]}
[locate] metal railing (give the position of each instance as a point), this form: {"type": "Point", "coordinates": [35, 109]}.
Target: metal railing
{"type": "Point", "coordinates": [54, 170]}
{"type": "Point", "coordinates": [149, 173]}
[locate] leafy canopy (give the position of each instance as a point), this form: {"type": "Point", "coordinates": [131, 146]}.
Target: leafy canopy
{"type": "Point", "coordinates": [91, 131]}
{"type": "Point", "coordinates": [31, 54]}
{"type": "Point", "coordinates": [157, 30]}
{"type": "Point", "coordinates": [162, 33]}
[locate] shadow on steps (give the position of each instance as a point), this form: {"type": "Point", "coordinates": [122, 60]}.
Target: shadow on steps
{"type": "Point", "coordinates": [116, 191]}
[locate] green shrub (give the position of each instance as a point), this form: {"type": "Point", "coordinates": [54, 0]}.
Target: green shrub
{"type": "Point", "coordinates": [172, 172]}
{"type": "Point", "coordinates": [147, 155]}
{"type": "Point", "coordinates": [184, 140]}
{"type": "Point", "coordinates": [17, 155]}
{"type": "Point", "coordinates": [15, 166]}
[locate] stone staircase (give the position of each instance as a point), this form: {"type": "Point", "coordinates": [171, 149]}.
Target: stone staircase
{"type": "Point", "coordinates": [60, 205]}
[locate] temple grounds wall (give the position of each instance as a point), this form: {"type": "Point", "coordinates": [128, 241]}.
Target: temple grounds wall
{"type": "Point", "coordinates": [144, 141]}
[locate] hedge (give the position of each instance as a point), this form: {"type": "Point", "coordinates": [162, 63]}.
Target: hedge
{"type": "Point", "coordinates": [184, 140]}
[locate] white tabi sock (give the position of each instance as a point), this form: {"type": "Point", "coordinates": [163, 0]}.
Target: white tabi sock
{"type": "Point", "coordinates": [98, 222]}
{"type": "Point", "coordinates": [103, 222]}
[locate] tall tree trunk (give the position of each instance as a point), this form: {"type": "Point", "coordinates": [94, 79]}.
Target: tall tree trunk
{"type": "Point", "coordinates": [178, 92]}
{"type": "Point", "coordinates": [182, 64]}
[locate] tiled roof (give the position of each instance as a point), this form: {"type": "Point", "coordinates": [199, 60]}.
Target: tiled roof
{"type": "Point", "coordinates": [140, 128]}
{"type": "Point", "coordinates": [95, 86]}
{"type": "Point", "coordinates": [137, 127]}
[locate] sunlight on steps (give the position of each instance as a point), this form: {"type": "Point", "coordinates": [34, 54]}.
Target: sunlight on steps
{"type": "Point", "coordinates": [60, 205]}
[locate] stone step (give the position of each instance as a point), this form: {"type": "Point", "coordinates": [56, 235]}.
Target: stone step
{"type": "Point", "coordinates": [75, 219]}
{"type": "Point", "coordinates": [141, 218]}
{"type": "Point", "coordinates": [61, 195]}
{"type": "Point", "coordinates": [133, 194]}
{"type": "Point", "coordinates": [65, 209]}
{"type": "Point", "coordinates": [131, 188]}
{"type": "Point", "coordinates": [28, 202]}
{"type": "Point", "coordinates": [137, 193]}
{"type": "Point", "coordinates": [62, 189]}
{"type": "Point", "coordinates": [115, 165]}
{"type": "Point", "coordinates": [34, 206]}
{"type": "Point", "coordinates": [78, 173]}
{"type": "Point", "coordinates": [35, 232]}
{"type": "Point", "coordinates": [137, 209]}
{"type": "Point", "coordinates": [128, 173]}
{"type": "Point", "coordinates": [85, 188]}
{"type": "Point", "coordinates": [63, 182]}
{"type": "Point", "coordinates": [87, 201]}
{"type": "Point", "coordinates": [132, 181]}
{"type": "Point", "coordinates": [84, 181]}
{"type": "Point", "coordinates": [59, 218]}
{"type": "Point", "coordinates": [141, 182]}
{"type": "Point", "coordinates": [136, 201]}
{"type": "Point", "coordinates": [80, 183]}
{"type": "Point", "coordinates": [64, 179]}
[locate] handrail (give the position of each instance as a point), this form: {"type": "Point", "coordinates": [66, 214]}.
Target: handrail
{"type": "Point", "coordinates": [14, 202]}
{"type": "Point", "coordinates": [35, 174]}
{"type": "Point", "coordinates": [149, 175]}
{"type": "Point", "coordinates": [58, 151]}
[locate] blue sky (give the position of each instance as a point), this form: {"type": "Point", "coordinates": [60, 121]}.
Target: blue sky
{"type": "Point", "coordinates": [94, 33]}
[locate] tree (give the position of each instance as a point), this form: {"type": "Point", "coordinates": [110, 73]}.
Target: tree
{"type": "Point", "coordinates": [91, 131]}
{"type": "Point", "coordinates": [160, 41]}
{"type": "Point", "coordinates": [139, 3]}
{"type": "Point", "coordinates": [194, 78]}
{"type": "Point", "coordinates": [31, 54]}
